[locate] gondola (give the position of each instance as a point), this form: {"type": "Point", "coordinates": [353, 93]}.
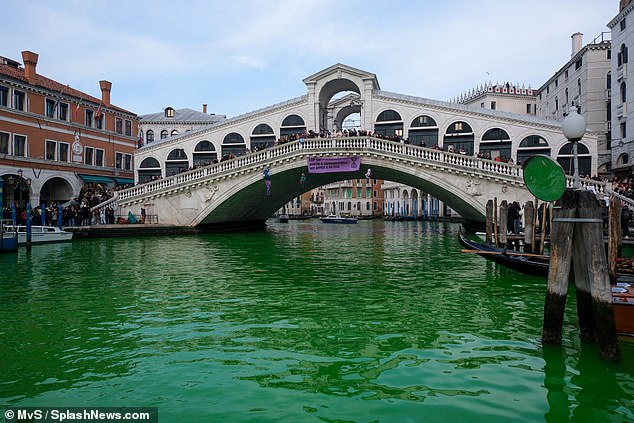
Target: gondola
{"type": "Point", "coordinates": [529, 264]}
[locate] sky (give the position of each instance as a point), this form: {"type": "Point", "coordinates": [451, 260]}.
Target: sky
{"type": "Point", "coordinates": [241, 55]}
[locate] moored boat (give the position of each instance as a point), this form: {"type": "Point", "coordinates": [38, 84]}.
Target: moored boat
{"type": "Point", "coordinates": [333, 218]}
{"type": "Point", "coordinates": [42, 234]}
{"type": "Point", "coordinates": [282, 218]}
{"type": "Point", "coordinates": [8, 237]}
{"type": "Point", "coordinates": [538, 265]}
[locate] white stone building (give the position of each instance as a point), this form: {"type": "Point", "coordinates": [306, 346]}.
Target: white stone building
{"type": "Point", "coordinates": [584, 81]}
{"type": "Point", "coordinates": [622, 27]}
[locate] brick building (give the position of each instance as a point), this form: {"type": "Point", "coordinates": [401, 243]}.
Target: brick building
{"type": "Point", "coordinates": [54, 139]}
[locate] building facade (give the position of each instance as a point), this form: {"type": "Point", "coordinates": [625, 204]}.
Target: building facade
{"type": "Point", "coordinates": [354, 197]}
{"type": "Point", "coordinates": [54, 138]}
{"type": "Point", "coordinates": [171, 122]}
{"type": "Point", "coordinates": [585, 82]}
{"type": "Point", "coordinates": [507, 97]}
{"type": "Point", "coordinates": [622, 122]}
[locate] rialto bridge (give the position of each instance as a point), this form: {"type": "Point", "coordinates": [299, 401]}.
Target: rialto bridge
{"type": "Point", "coordinates": [232, 192]}
{"type": "Point", "coordinates": [437, 154]}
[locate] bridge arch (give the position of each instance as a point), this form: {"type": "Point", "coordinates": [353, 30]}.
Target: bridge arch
{"type": "Point", "coordinates": [204, 153]}
{"type": "Point", "coordinates": [423, 130]}
{"type": "Point", "coordinates": [149, 169]}
{"type": "Point", "coordinates": [292, 124]}
{"type": "Point", "coordinates": [177, 162]}
{"type": "Point", "coordinates": [389, 123]}
{"type": "Point", "coordinates": [233, 144]}
{"type": "Point", "coordinates": [459, 137]}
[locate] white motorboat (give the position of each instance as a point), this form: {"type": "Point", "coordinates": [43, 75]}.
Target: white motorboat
{"type": "Point", "coordinates": [43, 234]}
{"type": "Point", "coordinates": [333, 218]}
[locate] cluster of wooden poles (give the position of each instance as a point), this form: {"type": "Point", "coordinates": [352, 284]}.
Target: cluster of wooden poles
{"type": "Point", "coordinates": [496, 225]}
{"type": "Point", "coordinates": [577, 243]}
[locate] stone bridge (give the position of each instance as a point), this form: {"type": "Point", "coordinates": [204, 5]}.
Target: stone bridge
{"type": "Point", "coordinates": [232, 193]}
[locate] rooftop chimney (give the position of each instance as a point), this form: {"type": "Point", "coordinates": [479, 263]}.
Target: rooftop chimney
{"type": "Point", "coordinates": [30, 62]}
{"type": "Point", "coordinates": [204, 108]}
{"type": "Point", "coordinates": [105, 92]}
{"type": "Point", "coordinates": [577, 43]}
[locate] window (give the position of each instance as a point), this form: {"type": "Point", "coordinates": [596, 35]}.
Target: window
{"type": "Point", "coordinates": [18, 100]}
{"type": "Point", "coordinates": [623, 92]}
{"type": "Point", "coordinates": [118, 159]}
{"type": "Point", "coordinates": [50, 108]}
{"type": "Point", "coordinates": [566, 74]}
{"type": "Point", "coordinates": [62, 151]}
{"type": "Point", "coordinates": [493, 105]}
{"type": "Point", "coordinates": [163, 134]}
{"type": "Point", "coordinates": [567, 97]}
{"type": "Point", "coordinates": [578, 63]}
{"type": "Point", "coordinates": [89, 121]}
{"type": "Point", "coordinates": [458, 126]}
{"type": "Point", "coordinates": [51, 147]}
{"type": "Point", "coordinates": [4, 143]}
{"type": "Point", "coordinates": [556, 83]}
{"type": "Point", "coordinates": [4, 96]}
{"type": "Point", "coordinates": [128, 128]}
{"type": "Point", "coordinates": [482, 105]}
{"type": "Point", "coordinates": [169, 112]}
{"type": "Point", "coordinates": [556, 103]}
{"type": "Point", "coordinates": [622, 56]}
{"type": "Point", "coordinates": [579, 88]}
{"type": "Point", "coordinates": [529, 108]}
{"type": "Point", "coordinates": [62, 112]}
{"type": "Point", "coordinates": [127, 162]}
{"type": "Point", "coordinates": [99, 157]}
{"type": "Point", "coordinates": [623, 25]}
{"type": "Point", "coordinates": [88, 155]}
{"type": "Point", "coordinates": [174, 132]}
{"type": "Point", "coordinates": [119, 126]}
{"type": "Point", "coordinates": [19, 145]}
{"type": "Point", "coordinates": [99, 121]}
{"type": "Point", "coordinates": [623, 130]}
{"type": "Point", "coordinates": [149, 136]}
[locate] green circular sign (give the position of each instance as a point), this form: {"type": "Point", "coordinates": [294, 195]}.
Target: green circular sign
{"type": "Point", "coordinates": [544, 178]}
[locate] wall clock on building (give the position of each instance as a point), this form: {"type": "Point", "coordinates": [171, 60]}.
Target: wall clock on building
{"type": "Point", "coordinates": [77, 147]}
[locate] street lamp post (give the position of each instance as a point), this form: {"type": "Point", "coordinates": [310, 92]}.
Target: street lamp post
{"type": "Point", "coordinates": [574, 126]}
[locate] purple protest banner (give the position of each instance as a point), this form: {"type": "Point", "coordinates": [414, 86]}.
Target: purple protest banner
{"type": "Point", "coordinates": [333, 164]}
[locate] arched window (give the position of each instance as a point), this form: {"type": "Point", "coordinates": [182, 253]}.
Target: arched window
{"type": "Point", "coordinates": [423, 131]}
{"type": "Point", "coordinates": [164, 134]}
{"type": "Point", "coordinates": [495, 143]}
{"type": "Point", "coordinates": [608, 81]}
{"type": "Point", "coordinates": [622, 160]}
{"type": "Point", "coordinates": [459, 138]}
{"type": "Point", "coordinates": [579, 88]}
{"type": "Point", "coordinates": [174, 132]}
{"type": "Point", "coordinates": [389, 124]}
{"type": "Point", "coordinates": [149, 136]}
{"type": "Point", "coordinates": [169, 112]}
{"type": "Point", "coordinates": [176, 162]}
{"type": "Point", "coordinates": [622, 56]}
{"type": "Point", "coordinates": [292, 124]}
{"type": "Point", "coordinates": [233, 145]}
{"type": "Point", "coordinates": [531, 146]}
{"type": "Point", "coordinates": [567, 97]}
{"type": "Point", "coordinates": [623, 92]}
{"type": "Point", "coordinates": [149, 169]}
{"type": "Point", "coordinates": [204, 154]}
{"type": "Point", "coordinates": [566, 159]}
{"type": "Point", "coordinates": [262, 137]}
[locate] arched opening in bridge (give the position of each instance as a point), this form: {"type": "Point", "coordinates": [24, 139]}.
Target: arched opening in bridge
{"type": "Point", "coordinates": [459, 138]}
{"type": "Point", "coordinates": [262, 137]}
{"type": "Point", "coordinates": [565, 159]}
{"type": "Point", "coordinates": [334, 96]}
{"type": "Point", "coordinates": [423, 131]}
{"type": "Point", "coordinates": [344, 112]}
{"type": "Point", "coordinates": [495, 143]}
{"type": "Point", "coordinates": [149, 169]}
{"type": "Point", "coordinates": [292, 125]}
{"type": "Point", "coordinates": [204, 153]}
{"type": "Point", "coordinates": [531, 146]}
{"type": "Point", "coordinates": [233, 145]}
{"type": "Point", "coordinates": [389, 124]}
{"type": "Point", "coordinates": [176, 162]}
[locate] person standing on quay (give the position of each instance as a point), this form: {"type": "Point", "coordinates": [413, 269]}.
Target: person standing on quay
{"type": "Point", "coordinates": [266, 174]}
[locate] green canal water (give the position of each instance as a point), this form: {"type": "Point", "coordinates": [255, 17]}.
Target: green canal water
{"type": "Point", "coordinates": [302, 322]}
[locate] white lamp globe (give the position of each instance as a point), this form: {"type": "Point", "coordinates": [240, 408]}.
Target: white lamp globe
{"type": "Point", "coordinates": [573, 125]}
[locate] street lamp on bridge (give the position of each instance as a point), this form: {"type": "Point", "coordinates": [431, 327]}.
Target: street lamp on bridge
{"type": "Point", "coordinates": [574, 126]}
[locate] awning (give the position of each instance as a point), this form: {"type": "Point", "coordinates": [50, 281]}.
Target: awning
{"type": "Point", "coordinates": [123, 181]}
{"type": "Point", "coordinates": [96, 178]}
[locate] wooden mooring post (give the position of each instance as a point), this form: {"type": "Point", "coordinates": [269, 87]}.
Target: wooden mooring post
{"type": "Point", "coordinates": [576, 237]}
{"type": "Point", "coordinates": [615, 238]}
{"type": "Point", "coordinates": [503, 224]}
{"type": "Point", "coordinates": [489, 221]}
{"type": "Point", "coordinates": [529, 217]}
